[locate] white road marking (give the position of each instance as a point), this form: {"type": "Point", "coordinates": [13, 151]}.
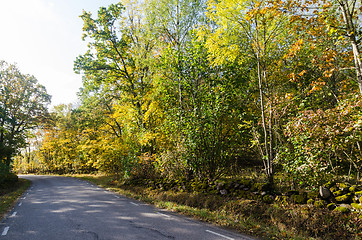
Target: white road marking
{"type": "Point", "coordinates": [134, 203]}
{"type": "Point", "coordinates": [6, 229]}
{"type": "Point", "coordinates": [20, 204]}
{"type": "Point", "coordinates": [163, 215]}
{"type": "Point", "coordinates": [13, 215]}
{"type": "Point", "coordinates": [220, 235]}
{"type": "Point", "coordinates": [117, 196]}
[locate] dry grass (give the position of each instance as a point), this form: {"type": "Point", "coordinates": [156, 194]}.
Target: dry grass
{"type": "Point", "coordinates": [11, 194]}
{"type": "Point", "coordinates": [268, 221]}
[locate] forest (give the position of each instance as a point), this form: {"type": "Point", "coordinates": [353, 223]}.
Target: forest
{"type": "Point", "coordinates": [194, 89]}
{"type": "Point", "coordinates": [247, 99]}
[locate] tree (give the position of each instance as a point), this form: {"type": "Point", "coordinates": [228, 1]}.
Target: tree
{"type": "Point", "coordinates": [23, 105]}
{"type": "Point", "coordinates": [254, 33]}
{"type": "Point", "coordinates": [351, 10]}
{"type": "Point", "coordinates": [117, 67]}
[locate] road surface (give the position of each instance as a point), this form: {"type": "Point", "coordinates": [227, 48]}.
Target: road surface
{"type": "Point", "coordinates": [67, 208]}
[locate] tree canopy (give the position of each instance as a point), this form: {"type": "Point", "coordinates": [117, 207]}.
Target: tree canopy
{"type": "Point", "coordinates": [202, 89]}
{"type": "Point", "coordinates": [23, 105]}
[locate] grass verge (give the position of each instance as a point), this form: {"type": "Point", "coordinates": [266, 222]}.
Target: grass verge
{"type": "Point", "coordinates": [267, 221]}
{"type": "Point", "coordinates": [11, 194]}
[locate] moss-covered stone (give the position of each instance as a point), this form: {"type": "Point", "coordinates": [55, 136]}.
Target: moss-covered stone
{"type": "Point", "coordinates": [356, 206]}
{"type": "Point", "coordinates": [282, 199]}
{"type": "Point", "coordinates": [319, 203]}
{"type": "Point", "coordinates": [299, 199]}
{"type": "Point", "coordinates": [343, 186]}
{"type": "Point", "coordinates": [324, 192]}
{"type": "Point", "coordinates": [343, 199]}
{"type": "Point", "coordinates": [331, 206]}
{"type": "Point", "coordinates": [333, 189]}
{"type": "Point", "coordinates": [261, 187]}
{"type": "Point", "coordinates": [338, 193]}
{"type": "Point", "coordinates": [359, 193]}
{"type": "Point", "coordinates": [245, 182]}
{"type": "Point", "coordinates": [267, 199]}
{"type": "Point", "coordinates": [330, 184]}
{"type": "Point", "coordinates": [312, 195]}
{"type": "Point", "coordinates": [353, 188]}
{"type": "Point", "coordinates": [256, 187]}
{"type": "Point", "coordinates": [341, 209]}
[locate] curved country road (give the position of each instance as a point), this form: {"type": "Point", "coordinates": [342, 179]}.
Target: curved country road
{"type": "Point", "coordinates": [71, 209]}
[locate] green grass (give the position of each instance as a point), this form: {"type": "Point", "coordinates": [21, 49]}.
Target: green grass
{"type": "Point", "coordinates": [11, 194]}
{"type": "Point", "coordinates": [268, 221]}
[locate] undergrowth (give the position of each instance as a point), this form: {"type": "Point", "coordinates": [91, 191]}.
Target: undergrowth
{"type": "Point", "coordinates": [253, 217]}
{"type": "Point", "coordinates": [10, 193]}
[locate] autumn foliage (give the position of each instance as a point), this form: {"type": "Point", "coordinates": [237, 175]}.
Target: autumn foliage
{"type": "Point", "coordinates": [193, 89]}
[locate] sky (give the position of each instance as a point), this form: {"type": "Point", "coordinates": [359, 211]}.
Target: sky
{"type": "Point", "coordinates": [43, 38]}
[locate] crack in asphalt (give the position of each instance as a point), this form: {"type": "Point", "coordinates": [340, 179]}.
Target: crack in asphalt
{"type": "Point", "coordinates": [135, 225]}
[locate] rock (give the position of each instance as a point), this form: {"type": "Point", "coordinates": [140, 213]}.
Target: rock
{"type": "Point", "coordinates": [331, 206]}
{"type": "Point", "coordinates": [353, 188]}
{"type": "Point", "coordinates": [341, 209]}
{"type": "Point", "coordinates": [263, 193]}
{"type": "Point", "coordinates": [324, 192]}
{"type": "Point", "coordinates": [343, 186]}
{"type": "Point", "coordinates": [282, 199]}
{"type": "Point", "coordinates": [220, 185]}
{"type": "Point", "coordinates": [292, 192]}
{"type": "Point", "coordinates": [247, 183]}
{"type": "Point", "coordinates": [319, 203]}
{"type": "Point", "coordinates": [356, 206]}
{"type": "Point", "coordinates": [330, 184]}
{"type": "Point", "coordinates": [299, 199]}
{"type": "Point", "coordinates": [256, 187]}
{"type": "Point", "coordinates": [223, 192]}
{"type": "Point", "coordinates": [312, 194]}
{"type": "Point", "coordinates": [344, 198]}
{"type": "Point", "coordinates": [267, 199]}
{"type": "Point", "coordinates": [359, 193]}
{"type": "Point", "coordinates": [346, 206]}
{"type": "Point", "coordinates": [338, 193]}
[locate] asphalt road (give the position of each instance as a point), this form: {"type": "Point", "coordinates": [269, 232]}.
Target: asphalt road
{"type": "Point", "coordinates": [67, 208]}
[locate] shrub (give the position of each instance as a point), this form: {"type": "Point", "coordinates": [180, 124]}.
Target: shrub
{"type": "Point", "coordinates": [8, 179]}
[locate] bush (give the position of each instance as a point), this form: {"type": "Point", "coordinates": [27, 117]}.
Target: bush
{"type": "Point", "coordinates": [8, 179]}
{"type": "Point", "coordinates": [323, 144]}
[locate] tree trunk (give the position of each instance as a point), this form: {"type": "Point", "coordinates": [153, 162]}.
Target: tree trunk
{"type": "Point", "coordinates": [265, 152]}
{"type": "Point", "coordinates": [347, 13]}
{"type": "Point", "coordinates": [357, 62]}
